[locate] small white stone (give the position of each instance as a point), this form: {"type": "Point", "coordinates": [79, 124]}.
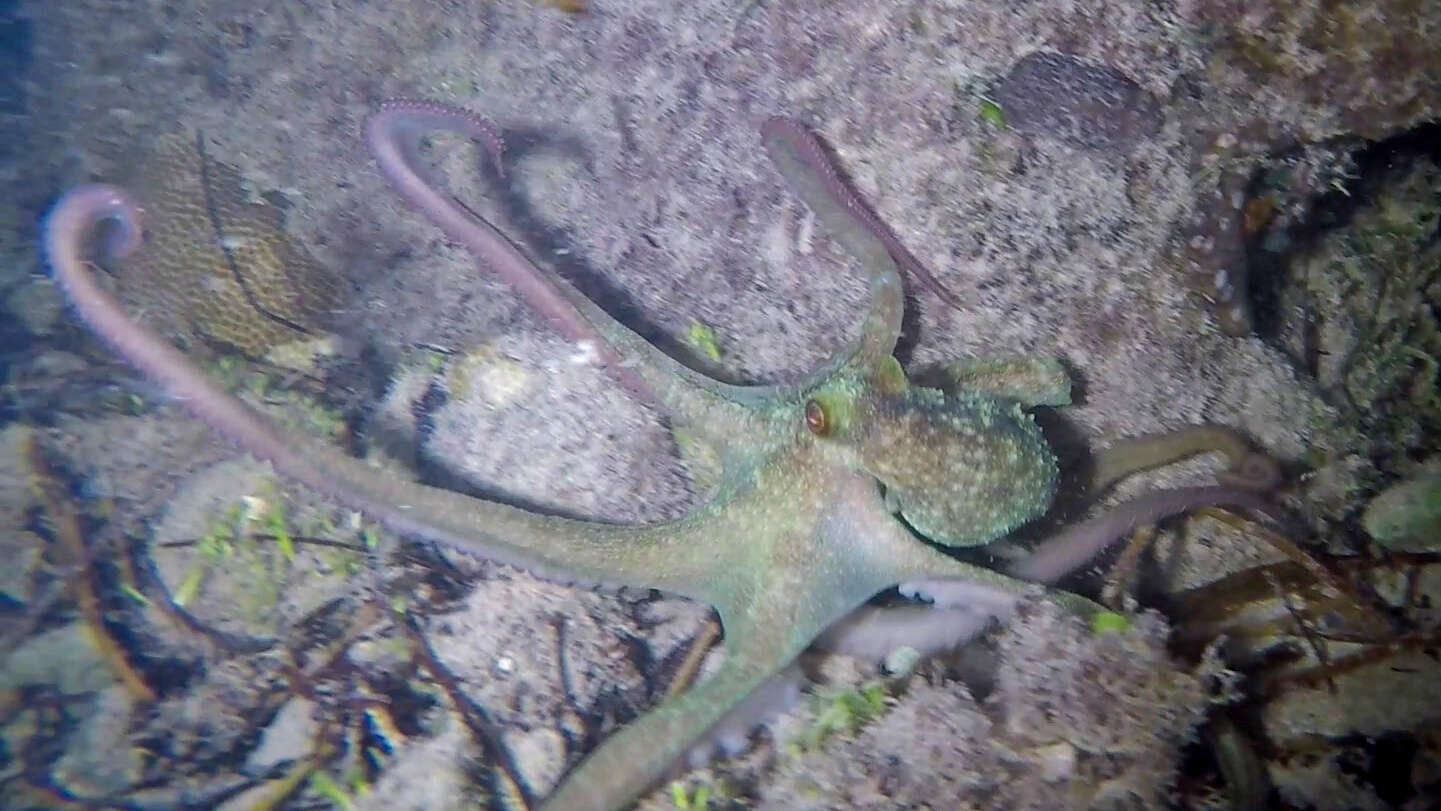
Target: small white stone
{"type": "Point", "coordinates": [585, 354]}
{"type": "Point", "coordinates": [1057, 761]}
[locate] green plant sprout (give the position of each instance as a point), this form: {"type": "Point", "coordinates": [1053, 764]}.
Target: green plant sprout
{"type": "Point", "coordinates": [686, 801]}
{"type": "Point", "coordinates": [703, 339]}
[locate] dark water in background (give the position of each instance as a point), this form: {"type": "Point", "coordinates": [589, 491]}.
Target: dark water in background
{"type": "Point", "coordinates": [15, 61]}
{"type": "Point", "coordinates": [14, 58]}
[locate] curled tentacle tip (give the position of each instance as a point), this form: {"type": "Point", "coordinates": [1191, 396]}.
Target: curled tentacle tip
{"type": "Point", "coordinates": [81, 209]}
{"type": "Point", "coordinates": [801, 157]}
{"type": "Point", "coordinates": [402, 116]}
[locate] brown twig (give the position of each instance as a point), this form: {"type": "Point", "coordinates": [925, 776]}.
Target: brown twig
{"type": "Point", "coordinates": [66, 523]}
{"type": "Point", "coordinates": [1118, 579]}
{"type": "Point", "coordinates": [689, 669]}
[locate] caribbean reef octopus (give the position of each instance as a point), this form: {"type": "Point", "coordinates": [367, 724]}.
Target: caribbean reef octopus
{"type": "Point", "coordinates": [829, 491]}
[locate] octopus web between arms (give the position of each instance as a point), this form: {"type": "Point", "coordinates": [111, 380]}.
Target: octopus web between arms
{"type": "Point", "coordinates": [831, 490]}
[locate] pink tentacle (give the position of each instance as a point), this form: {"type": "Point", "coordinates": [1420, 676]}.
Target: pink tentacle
{"type": "Point", "coordinates": [65, 232]}
{"type": "Point", "coordinates": [808, 148]}
{"type": "Point", "coordinates": [548, 545]}
{"type": "Point", "coordinates": [392, 133]}
{"type": "Point", "coordinates": [1074, 546]}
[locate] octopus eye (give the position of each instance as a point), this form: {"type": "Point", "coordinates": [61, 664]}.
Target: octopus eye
{"type": "Point", "coordinates": [816, 419]}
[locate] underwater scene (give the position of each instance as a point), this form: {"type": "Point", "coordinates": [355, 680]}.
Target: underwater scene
{"type": "Point", "coordinates": [584, 405]}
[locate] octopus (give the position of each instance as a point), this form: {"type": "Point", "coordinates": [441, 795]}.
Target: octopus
{"type": "Point", "coordinates": [827, 492]}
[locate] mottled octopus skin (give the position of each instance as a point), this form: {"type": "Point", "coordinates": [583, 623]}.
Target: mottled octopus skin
{"type": "Point", "coordinates": [801, 528]}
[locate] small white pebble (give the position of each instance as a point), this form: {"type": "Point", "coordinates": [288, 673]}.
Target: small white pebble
{"type": "Point", "coordinates": [585, 354]}
{"type": "Point", "coordinates": [902, 661]}
{"type": "Point", "coordinates": [233, 243]}
{"type": "Point", "coordinates": [1057, 761]}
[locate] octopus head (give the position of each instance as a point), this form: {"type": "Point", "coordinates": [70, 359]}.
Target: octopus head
{"type": "Point", "coordinates": [960, 469]}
